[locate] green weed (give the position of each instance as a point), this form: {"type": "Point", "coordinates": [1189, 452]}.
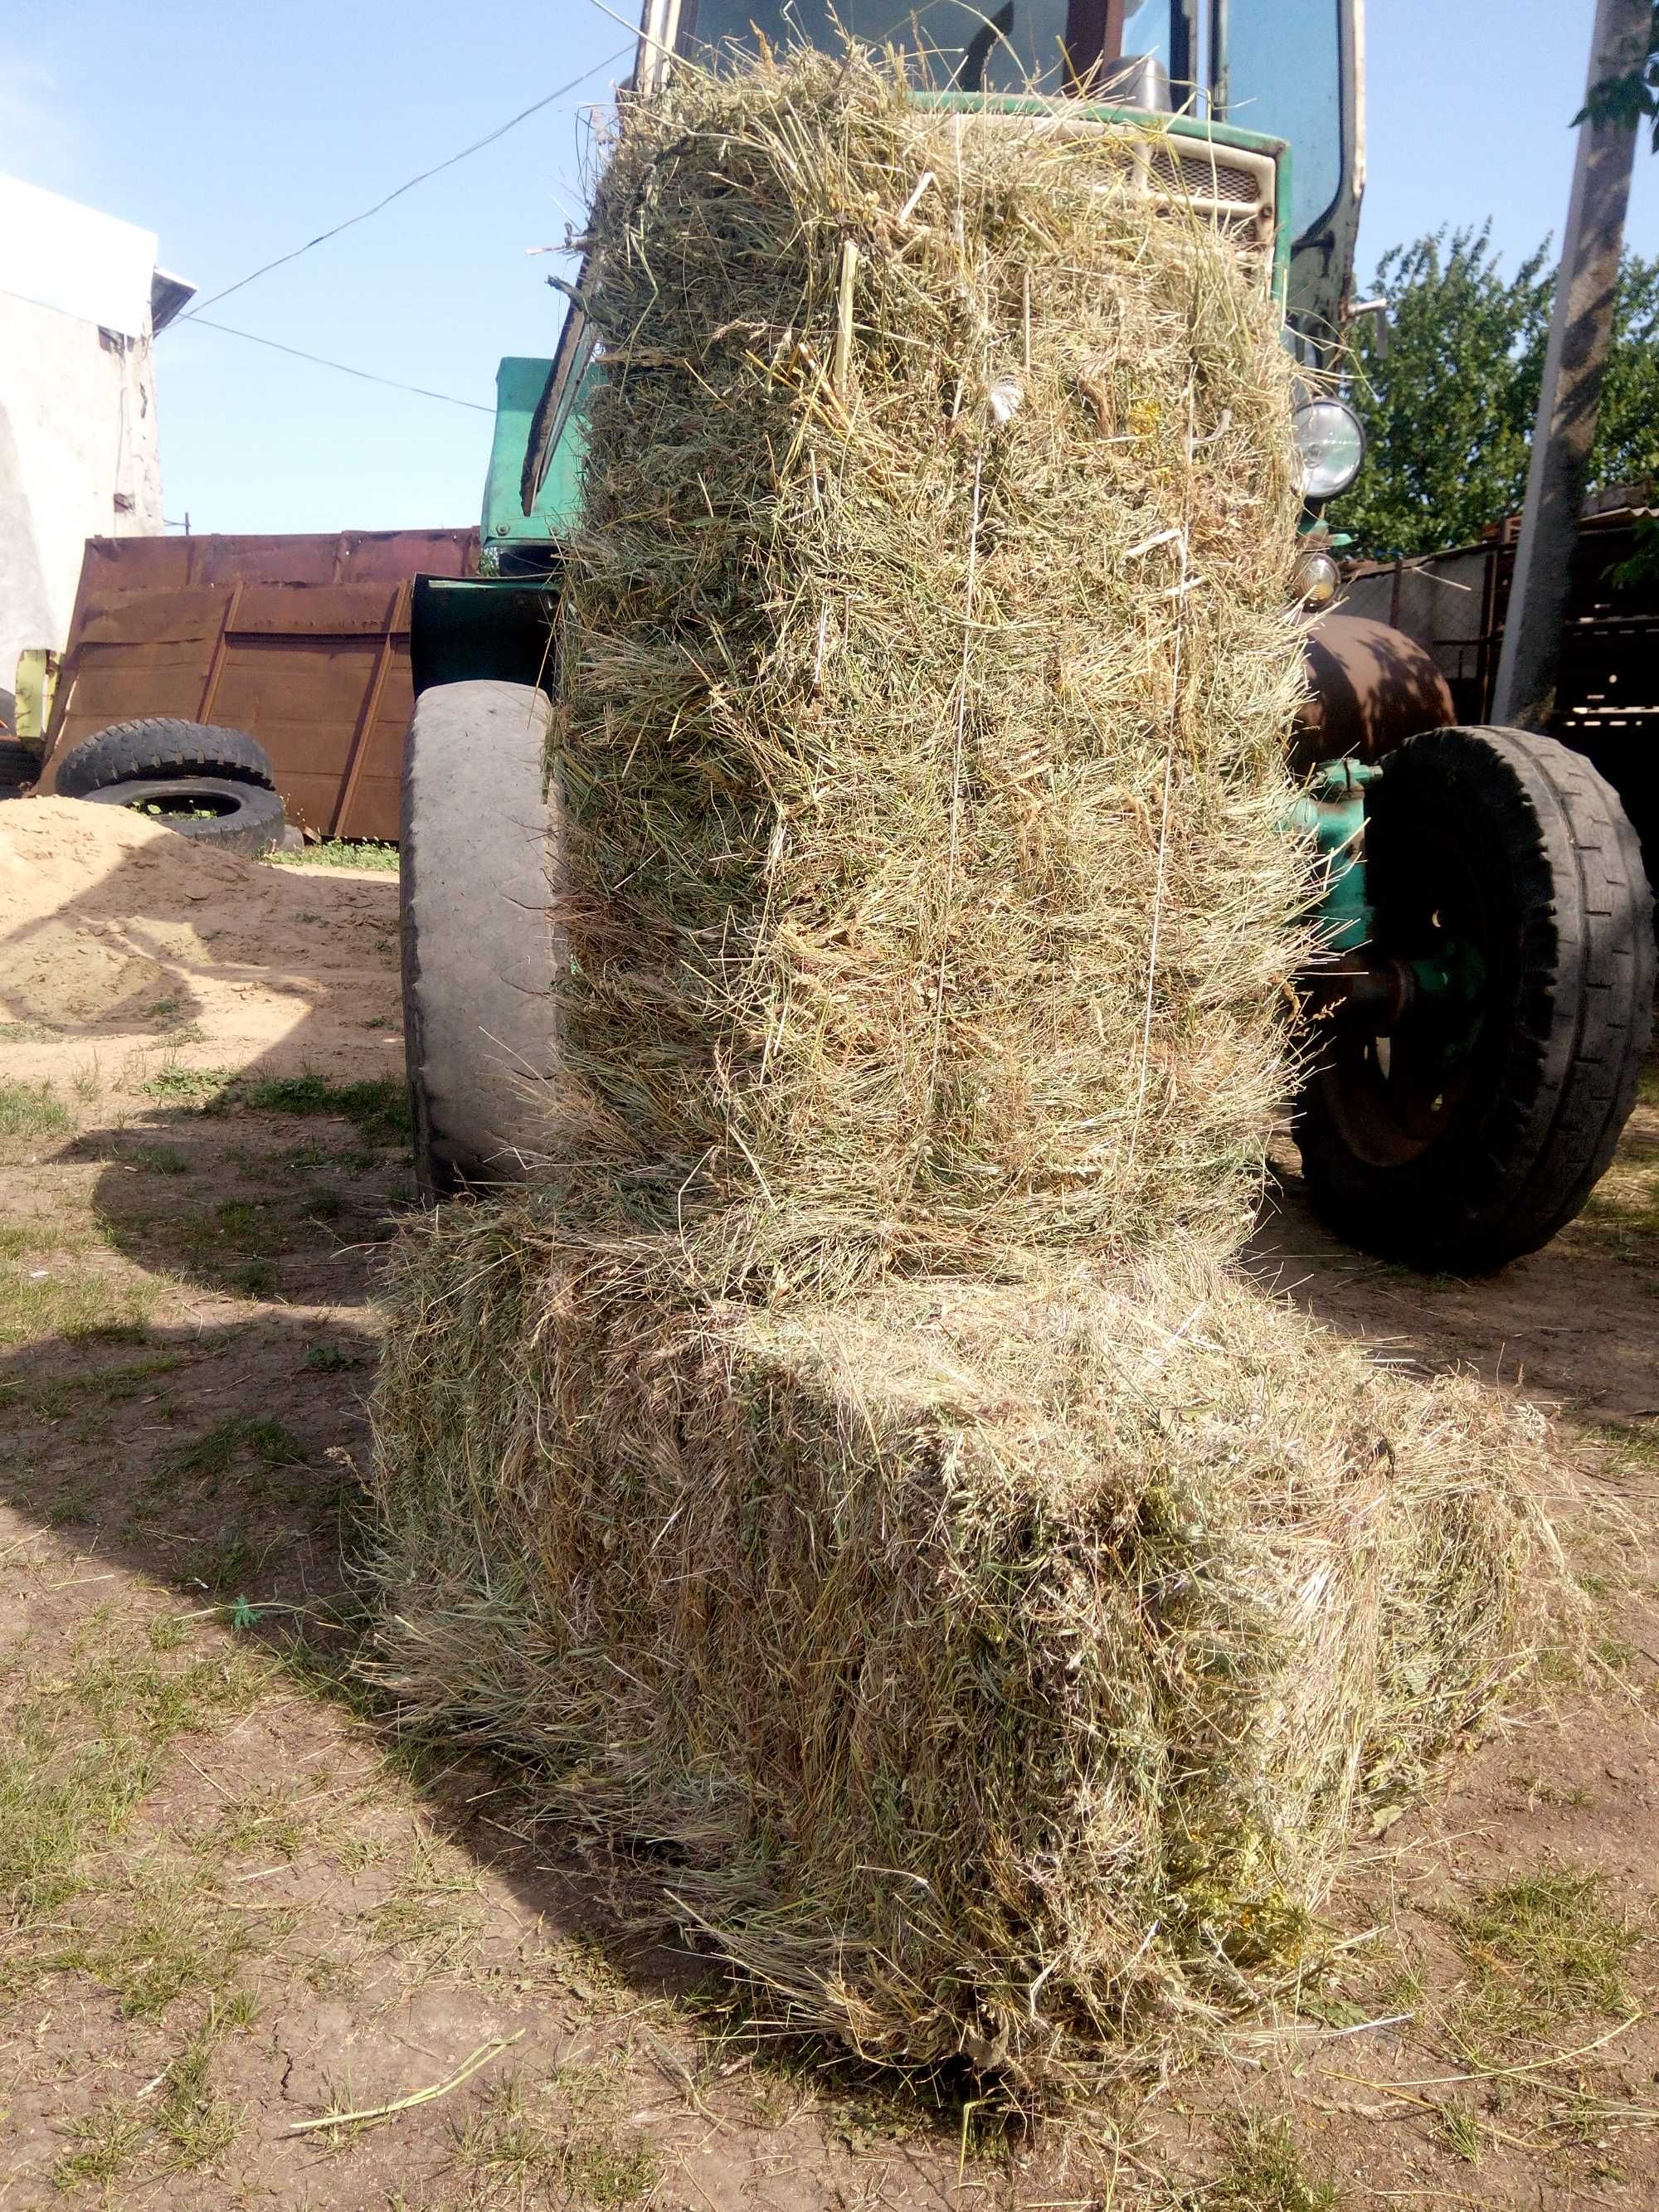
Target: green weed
{"type": "Point", "coordinates": [341, 853]}
{"type": "Point", "coordinates": [202, 1087]}
{"type": "Point", "coordinates": [330, 1360]}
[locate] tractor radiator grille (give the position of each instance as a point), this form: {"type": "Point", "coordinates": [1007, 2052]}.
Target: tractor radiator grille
{"type": "Point", "coordinates": [1228, 185]}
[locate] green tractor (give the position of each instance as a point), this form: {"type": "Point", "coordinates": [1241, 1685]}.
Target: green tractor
{"type": "Point", "coordinates": [1481, 1014]}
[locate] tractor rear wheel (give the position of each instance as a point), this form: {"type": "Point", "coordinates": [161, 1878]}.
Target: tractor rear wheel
{"type": "Point", "coordinates": [1502, 869]}
{"type": "Point", "coordinates": [480, 866]}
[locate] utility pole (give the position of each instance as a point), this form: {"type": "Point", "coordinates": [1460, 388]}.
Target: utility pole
{"type": "Point", "coordinates": [1566, 429]}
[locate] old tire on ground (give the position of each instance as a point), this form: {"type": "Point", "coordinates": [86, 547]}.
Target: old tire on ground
{"type": "Point", "coordinates": [19, 766]}
{"type": "Point", "coordinates": [231, 817]}
{"type": "Point", "coordinates": [1502, 861]}
{"type": "Point", "coordinates": [159, 745]}
{"type": "Point", "coordinates": [480, 863]}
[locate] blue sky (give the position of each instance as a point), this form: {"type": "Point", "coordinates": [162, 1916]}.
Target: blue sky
{"type": "Point", "coordinates": [238, 132]}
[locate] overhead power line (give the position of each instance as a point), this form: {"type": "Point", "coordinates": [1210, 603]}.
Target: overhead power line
{"type": "Point", "coordinates": [345, 368]}
{"type": "Point", "coordinates": [195, 314]}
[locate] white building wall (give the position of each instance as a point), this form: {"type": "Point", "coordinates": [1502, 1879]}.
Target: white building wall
{"type": "Point", "coordinates": [79, 456]}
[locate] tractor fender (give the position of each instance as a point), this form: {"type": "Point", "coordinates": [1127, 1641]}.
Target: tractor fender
{"type": "Point", "coordinates": [1371, 688]}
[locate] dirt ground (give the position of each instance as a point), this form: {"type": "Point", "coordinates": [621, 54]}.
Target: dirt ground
{"type": "Point", "coordinates": [246, 1919]}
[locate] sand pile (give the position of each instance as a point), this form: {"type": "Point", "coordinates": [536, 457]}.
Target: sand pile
{"type": "Point", "coordinates": [852, 1472]}
{"type": "Point", "coordinates": [116, 929]}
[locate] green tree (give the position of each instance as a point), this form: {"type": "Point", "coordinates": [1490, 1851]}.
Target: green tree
{"type": "Point", "coordinates": [1627, 423]}
{"type": "Point", "coordinates": [1447, 389]}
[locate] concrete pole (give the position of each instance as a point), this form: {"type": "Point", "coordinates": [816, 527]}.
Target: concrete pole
{"type": "Point", "coordinates": [1577, 351]}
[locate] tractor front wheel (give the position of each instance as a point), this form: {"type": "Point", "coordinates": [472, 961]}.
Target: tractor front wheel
{"type": "Point", "coordinates": [1505, 877]}
{"type": "Point", "coordinates": [480, 872]}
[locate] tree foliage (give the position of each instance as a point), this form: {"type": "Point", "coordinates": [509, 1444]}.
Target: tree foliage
{"type": "Point", "coordinates": [1449, 387]}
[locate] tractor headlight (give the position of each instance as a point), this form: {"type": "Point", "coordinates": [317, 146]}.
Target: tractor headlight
{"type": "Point", "coordinates": [1331, 445]}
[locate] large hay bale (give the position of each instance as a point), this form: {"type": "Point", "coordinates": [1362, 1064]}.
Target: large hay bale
{"type": "Point", "coordinates": [850, 1474]}
{"type": "Point", "coordinates": [926, 670]}
{"type": "Point", "coordinates": [993, 1676]}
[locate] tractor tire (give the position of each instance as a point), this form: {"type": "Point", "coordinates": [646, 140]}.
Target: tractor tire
{"type": "Point", "coordinates": [158, 746]}
{"type": "Point", "coordinates": [230, 818]}
{"type": "Point", "coordinates": [480, 863]}
{"type": "Point", "coordinates": [1463, 1141]}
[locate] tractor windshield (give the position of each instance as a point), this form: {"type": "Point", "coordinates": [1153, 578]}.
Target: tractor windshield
{"type": "Point", "coordinates": [1281, 74]}
{"type": "Point", "coordinates": [1272, 66]}
{"type": "Point", "coordinates": [977, 48]}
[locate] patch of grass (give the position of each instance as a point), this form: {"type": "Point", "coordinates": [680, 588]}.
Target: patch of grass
{"type": "Point", "coordinates": [194, 2123]}
{"type": "Point", "coordinates": [1538, 1791]}
{"type": "Point", "coordinates": [39, 1302]}
{"type": "Point", "coordinates": [162, 1159]}
{"type": "Point", "coordinates": [262, 1822]}
{"type": "Point", "coordinates": [1264, 2173]}
{"type": "Point", "coordinates": [1636, 1443]}
{"type": "Point", "coordinates": [108, 2142]}
{"type": "Point", "coordinates": [31, 1110]}
{"type": "Point", "coordinates": [162, 1940]}
{"type": "Point", "coordinates": [41, 1232]}
{"type": "Point", "coordinates": [80, 1752]}
{"type": "Point", "coordinates": [616, 2167]}
{"type": "Point", "coordinates": [224, 1566]}
{"type": "Point", "coordinates": [579, 2153]}
{"type": "Point", "coordinates": [1461, 2131]}
{"type": "Point", "coordinates": [1622, 1212]}
{"type": "Point", "coordinates": [325, 1206]}
{"type": "Point", "coordinates": [341, 853]}
{"type": "Point", "coordinates": [379, 1106]}
{"type": "Point", "coordinates": [112, 1386]}
{"type": "Point", "coordinates": [500, 2143]}
{"type": "Point", "coordinates": [251, 1436]}
{"type": "Point", "coordinates": [1541, 1950]}
{"type": "Point", "coordinates": [247, 1225]}
{"type": "Point", "coordinates": [309, 1155]}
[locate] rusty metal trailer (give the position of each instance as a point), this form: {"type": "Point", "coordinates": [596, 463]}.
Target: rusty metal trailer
{"type": "Point", "coordinates": [301, 640]}
{"type": "Point", "coordinates": [1454, 604]}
